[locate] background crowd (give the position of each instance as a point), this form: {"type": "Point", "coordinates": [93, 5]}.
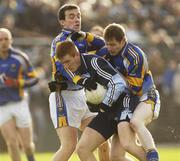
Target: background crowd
{"type": "Point", "coordinates": [152, 24]}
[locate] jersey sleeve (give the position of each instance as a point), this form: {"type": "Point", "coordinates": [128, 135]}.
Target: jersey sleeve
{"type": "Point", "coordinates": [136, 67]}
{"type": "Point", "coordinates": [95, 42]}
{"type": "Point", "coordinates": [102, 52]}
{"type": "Point", "coordinates": [27, 72]}
{"type": "Point", "coordinates": [108, 77]}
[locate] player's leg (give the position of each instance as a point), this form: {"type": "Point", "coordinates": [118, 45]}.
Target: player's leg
{"type": "Point", "coordinates": [103, 149]}
{"type": "Point", "coordinates": [128, 141]}
{"type": "Point", "coordinates": [24, 127]}
{"type": "Point", "coordinates": [143, 115]}
{"type": "Point", "coordinates": [68, 138]}
{"type": "Point", "coordinates": [147, 110]}
{"type": "Point", "coordinates": [99, 130]}
{"type": "Point", "coordinates": [88, 142]}
{"type": "Point", "coordinates": [27, 142]}
{"type": "Point", "coordinates": [117, 152]}
{"type": "Point", "coordinates": [9, 133]}
{"type": "Point", "coordinates": [66, 117]}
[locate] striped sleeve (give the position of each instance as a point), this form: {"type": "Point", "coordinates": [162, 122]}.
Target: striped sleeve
{"type": "Point", "coordinates": [136, 69]}
{"type": "Point", "coordinates": [108, 77]}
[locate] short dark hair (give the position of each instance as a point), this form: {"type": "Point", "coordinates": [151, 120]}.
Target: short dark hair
{"type": "Point", "coordinates": [114, 31]}
{"type": "Point", "coordinates": [64, 8]}
{"type": "Point", "coordinates": [65, 48]}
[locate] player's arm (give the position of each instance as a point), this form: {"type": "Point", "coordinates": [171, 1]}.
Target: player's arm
{"type": "Point", "coordinates": [95, 42]}
{"type": "Point", "coordinates": [59, 74]}
{"type": "Point", "coordinates": [102, 52]}
{"type": "Point", "coordinates": [27, 76]}
{"type": "Point", "coordinates": [136, 67]}
{"type": "Point", "coordinates": [109, 77]}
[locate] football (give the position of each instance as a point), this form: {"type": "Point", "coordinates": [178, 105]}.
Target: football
{"type": "Point", "coordinates": [96, 96]}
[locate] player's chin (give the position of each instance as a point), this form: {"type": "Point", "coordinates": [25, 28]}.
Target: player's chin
{"type": "Point", "coordinates": [112, 53]}
{"type": "Point", "coordinates": [77, 28]}
{"type": "Point", "coordinates": [72, 69]}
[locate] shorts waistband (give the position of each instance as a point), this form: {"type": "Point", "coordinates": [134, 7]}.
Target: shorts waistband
{"type": "Point", "coordinates": [78, 89]}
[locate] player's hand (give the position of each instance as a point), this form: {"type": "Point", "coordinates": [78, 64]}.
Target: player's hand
{"type": "Point", "coordinates": [13, 83]}
{"type": "Point", "coordinates": [88, 83]}
{"type": "Point", "coordinates": [93, 107]}
{"type": "Point", "coordinates": [104, 108]}
{"type": "Point", "coordinates": [57, 86]}
{"type": "Point", "coordinates": [2, 80]}
{"type": "Point", "coordinates": [78, 36]}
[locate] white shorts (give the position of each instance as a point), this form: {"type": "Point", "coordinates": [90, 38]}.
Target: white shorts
{"type": "Point", "coordinates": [154, 99]}
{"type": "Point", "coordinates": [68, 108]}
{"type": "Point", "coordinates": [18, 111]}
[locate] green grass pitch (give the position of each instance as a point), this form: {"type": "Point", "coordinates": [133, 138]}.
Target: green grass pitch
{"type": "Point", "coordinates": [166, 154]}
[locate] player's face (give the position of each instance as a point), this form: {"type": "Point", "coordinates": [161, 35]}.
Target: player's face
{"type": "Point", "coordinates": [72, 20]}
{"type": "Point", "coordinates": [114, 46]}
{"type": "Point", "coordinates": [71, 62]}
{"type": "Point", "coordinates": [5, 41]}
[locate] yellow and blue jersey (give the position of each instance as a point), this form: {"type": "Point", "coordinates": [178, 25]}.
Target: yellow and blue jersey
{"type": "Point", "coordinates": [16, 66]}
{"type": "Point", "coordinates": [132, 63]}
{"type": "Point", "coordinates": [83, 46]}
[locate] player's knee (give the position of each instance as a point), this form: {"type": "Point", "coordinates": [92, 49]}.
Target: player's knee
{"type": "Point", "coordinates": [125, 144]}
{"type": "Point", "coordinates": [104, 148]}
{"type": "Point", "coordinates": [135, 124]}
{"type": "Point", "coordinates": [12, 143]}
{"type": "Point", "coordinates": [29, 148]}
{"type": "Point", "coordinates": [114, 157]}
{"type": "Point", "coordinates": [82, 149]}
{"type": "Point", "coordinates": [70, 148]}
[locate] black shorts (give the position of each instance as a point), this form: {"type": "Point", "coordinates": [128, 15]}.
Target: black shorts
{"type": "Point", "coordinates": [122, 110]}
{"type": "Point", "coordinates": [128, 105]}
{"type": "Point", "coordinates": [104, 125]}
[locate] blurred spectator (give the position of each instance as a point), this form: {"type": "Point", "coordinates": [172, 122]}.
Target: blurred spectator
{"type": "Point", "coordinates": [168, 77]}
{"type": "Point", "coordinates": [176, 85]}
{"type": "Point", "coordinates": [134, 35]}
{"type": "Point", "coordinates": [156, 64]}
{"type": "Point", "coordinates": [97, 30]}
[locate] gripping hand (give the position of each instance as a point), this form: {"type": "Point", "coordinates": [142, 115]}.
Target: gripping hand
{"type": "Point", "coordinates": [57, 86]}
{"type": "Point", "coordinates": [13, 83]}
{"type": "Point", "coordinates": [103, 107]}
{"type": "Point", "coordinates": [88, 83]}
{"type": "Point", "coordinates": [98, 108]}
{"type": "Point", "coordinates": [78, 36]}
{"type": "Point", "coordinates": [93, 108]}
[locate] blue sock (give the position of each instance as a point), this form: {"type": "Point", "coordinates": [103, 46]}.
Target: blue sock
{"type": "Point", "coordinates": [30, 157]}
{"type": "Point", "coordinates": [152, 155]}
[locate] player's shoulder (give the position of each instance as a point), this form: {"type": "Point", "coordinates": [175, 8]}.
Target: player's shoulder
{"type": "Point", "coordinates": [93, 58]}
{"type": "Point", "coordinates": [62, 36]}
{"type": "Point", "coordinates": [133, 49]}
{"type": "Point", "coordinates": [58, 39]}
{"type": "Point", "coordinates": [133, 53]}
{"type": "Point", "coordinates": [20, 56]}
{"type": "Point", "coordinates": [19, 53]}
{"type": "Point", "coordinates": [89, 56]}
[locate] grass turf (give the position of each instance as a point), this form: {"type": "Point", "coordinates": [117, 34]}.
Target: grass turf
{"type": "Point", "coordinates": [166, 154]}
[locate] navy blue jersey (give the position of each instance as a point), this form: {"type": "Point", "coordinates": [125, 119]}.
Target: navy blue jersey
{"type": "Point", "coordinates": [102, 71]}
